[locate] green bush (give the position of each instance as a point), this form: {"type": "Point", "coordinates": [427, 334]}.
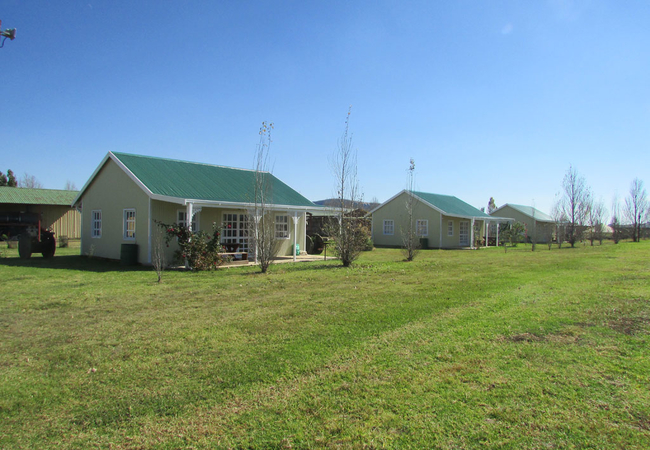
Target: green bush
{"type": "Point", "coordinates": [200, 250]}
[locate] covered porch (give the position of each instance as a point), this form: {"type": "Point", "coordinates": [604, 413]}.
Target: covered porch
{"type": "Point", "coordinates": [238, 224]}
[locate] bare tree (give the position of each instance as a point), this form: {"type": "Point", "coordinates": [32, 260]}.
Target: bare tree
{"type": "Point", "coordinates": [618, 232]}
{"type": "Point", "coordinates": [560, 220]}
{"type": "Point", "coordinates": [347, 231]}
{"type": "Point", "coordinates": [575, 204]}
{"type": "Point", "coordinates": [30, 182]}
{"type": "Point", "coordinates": [410, 238]}
{"type": "Point", "coordinates": [548, 235]}
{"type": "Point", "coordinates": [491, 226]}
{"type": "Point", "coordinates": [597, 214]}
{"type": "Point", "coordinates": [636, 208]}
{"type": "Point", "coordinates": [158, 251]}
{"type": "Point", "coordinates": [261, 220]}
{"type": "Point", "coordinates": [533, 236]}
{"type": "Point", "coordinates": [69, 186]}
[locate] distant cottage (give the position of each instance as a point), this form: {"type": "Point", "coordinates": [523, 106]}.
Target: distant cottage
{"type": "Point", "coordinates": [441, 221]}
{"type": "Point", "coordinates": [538, 225]}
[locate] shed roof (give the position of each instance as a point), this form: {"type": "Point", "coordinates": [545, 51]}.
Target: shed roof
{"type": "Point", "coordinates": [529, 211]}
{"type": "Point", "coordinates": [169, 178]}
{"type": "Point", "coordinates": [25, 196]}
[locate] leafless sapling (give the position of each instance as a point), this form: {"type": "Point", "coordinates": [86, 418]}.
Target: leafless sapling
{"type": "Point", "coordinates": [346, 230]}
{"type": "Point", "coordinates": [261, 220]}
{"type": "Point", "coordinates": [575, 202]}
{"type": "Point", "coordinates": [158, 251]}
{"type": "Point", "coordinates": [410, 235]}
{"type": "Point", "coordinates": [597, 214]}
{"type": "Point", "coordinates": [636, 208]}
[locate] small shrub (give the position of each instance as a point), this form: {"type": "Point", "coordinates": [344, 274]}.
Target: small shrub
{"type": "Point", "coordinates": [200, 250]}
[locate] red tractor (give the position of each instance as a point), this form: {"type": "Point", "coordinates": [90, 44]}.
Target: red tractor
{"type": "Point", "coordinates": [26, 227]}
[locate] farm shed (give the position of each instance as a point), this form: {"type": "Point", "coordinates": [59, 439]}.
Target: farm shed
{"type": "Point", "coordinates": [441, 221]}
{"type": "Point", "coordinates": [127, 194]}
{"type": "Point", "coordinates": [538, 225]}
{"type": "Point", "coordinates": [51, 204]}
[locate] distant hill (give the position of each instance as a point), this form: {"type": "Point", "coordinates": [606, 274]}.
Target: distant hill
{"type": "Point", "coordinates": [368, 206]}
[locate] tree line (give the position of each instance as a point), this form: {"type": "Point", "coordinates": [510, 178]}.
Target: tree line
{"type": "Point", "coordinates": [579, 216]}
{"type": "Point", "coordinates": [28, 181]}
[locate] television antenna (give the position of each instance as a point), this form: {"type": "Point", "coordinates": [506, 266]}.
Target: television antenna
{"type": "Point", "coordinates": [10, 33]}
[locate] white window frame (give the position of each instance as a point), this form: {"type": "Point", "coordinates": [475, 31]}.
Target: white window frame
{"type": "Point", "coordinates": [129, 217]}
{"type": "Point", "coordinates": [450, 228]}
{"type": "Point", "coordinates": [96, 223]}
{"type": "Point", "coordinates": [422, 228]}
{"type": "Point", "coordinates": [389, 227]}
{"type": "Point", "coordinates": [282, 226]}
{"type": "Point", "coordinates": [181, 219]}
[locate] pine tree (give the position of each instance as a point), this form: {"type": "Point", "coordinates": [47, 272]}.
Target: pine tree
{"type": "Point", "coordinates": [11, 179]}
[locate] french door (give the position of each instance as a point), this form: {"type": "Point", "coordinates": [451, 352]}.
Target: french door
{"type": "Point", "coordinates": [235, 230]}
{"type": "Point", "coordinates": [464, 234]}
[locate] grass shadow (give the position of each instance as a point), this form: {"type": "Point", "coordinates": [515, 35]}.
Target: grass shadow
{"type": "Point", "coordinates": [71, 262]}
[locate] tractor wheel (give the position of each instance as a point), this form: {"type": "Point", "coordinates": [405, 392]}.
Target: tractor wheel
{"type": "Point", "coordinates": [49, 246]}
{"type": "Point", "coordinates": [25, 247]}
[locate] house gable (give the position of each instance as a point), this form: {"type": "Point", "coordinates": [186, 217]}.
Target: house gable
{"type": "Point", "coordinates": [112, 191]}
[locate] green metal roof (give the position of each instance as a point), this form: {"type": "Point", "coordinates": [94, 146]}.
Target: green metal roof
{"type": "Point", "coordinates": [196, 181]}
{"type": "Point", "coordinates": [26, 196]}
{"type": "Point", "coordinates": [450, 205]}
{"type": "Point", "coordinates": [529, 210]}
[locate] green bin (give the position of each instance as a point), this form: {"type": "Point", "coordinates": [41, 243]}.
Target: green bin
{"type": "Point", "coordinates": [424, 243]}
{"type": "Point", "coordinates": [297, 249]}
{"type": "Point", "coordinates": [129, 254]}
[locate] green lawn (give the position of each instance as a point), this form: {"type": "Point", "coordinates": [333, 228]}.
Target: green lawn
{"type": "Point", "coordinates": [458, 349]}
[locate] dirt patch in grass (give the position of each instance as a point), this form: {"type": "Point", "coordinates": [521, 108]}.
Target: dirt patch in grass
{"type": "Point", "coordinates": [525, 337]}
{"type": "Point", "coordinates": [644, 423]}
{"type": "Point", "coordinates": [629, 316]}
{"type": "Point", "coordinates": [556, 338]}
{"type": "Point", "coordinates": [630, 326]}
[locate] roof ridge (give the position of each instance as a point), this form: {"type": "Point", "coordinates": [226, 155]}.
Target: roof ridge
{"type": "Point", "coordinates": [117, 154]}
{"type": "Point", "coordinates": [433, 193]}
{"type": "Point", "coordinates": [40, 189]}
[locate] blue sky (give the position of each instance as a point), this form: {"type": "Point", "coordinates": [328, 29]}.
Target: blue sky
{"type": "Point", "coordinates": [491, 98]}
